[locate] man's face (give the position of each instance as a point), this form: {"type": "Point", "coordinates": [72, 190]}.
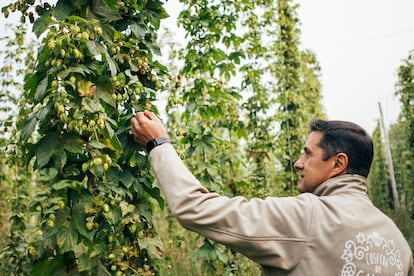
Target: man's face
{"type": "Point", "coordinates": [313, 169]}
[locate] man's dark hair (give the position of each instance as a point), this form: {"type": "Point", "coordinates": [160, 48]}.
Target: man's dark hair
{"type": "Point", "coordinates": [349, 138]}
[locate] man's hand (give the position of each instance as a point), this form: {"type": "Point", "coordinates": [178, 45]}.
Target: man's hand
{"type": "Point", "coordinates": [146, 126]}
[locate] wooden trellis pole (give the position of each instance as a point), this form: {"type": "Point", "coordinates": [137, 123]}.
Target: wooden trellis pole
{"type": "Point", "coordinates": [389, 161]}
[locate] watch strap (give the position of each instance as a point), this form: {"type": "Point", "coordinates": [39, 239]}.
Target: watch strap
{"type": "Point", "coordinates": [156, 142]}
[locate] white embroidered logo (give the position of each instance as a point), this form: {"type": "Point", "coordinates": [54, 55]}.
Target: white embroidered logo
{"type": "Point", "coordinates": [372, 250]}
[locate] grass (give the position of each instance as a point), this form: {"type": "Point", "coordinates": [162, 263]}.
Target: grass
{"type": "Point", "coordinates": [182, 252]}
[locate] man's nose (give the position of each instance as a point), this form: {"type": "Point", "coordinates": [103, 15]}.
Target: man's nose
{"type": "Point", "coordinates": [298, 164]}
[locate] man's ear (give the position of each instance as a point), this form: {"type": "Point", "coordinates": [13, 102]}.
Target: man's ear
{"type": "Point", "coordinates": [341, 163]}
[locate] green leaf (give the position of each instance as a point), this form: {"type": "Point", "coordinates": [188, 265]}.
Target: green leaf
{"type": "Point", "coordinates": [116, 143]}
{"type": "Point", "coordinates": [67, 238]}
{"type": "Point", "coordinates": [98, 171]}
{"type": "Point", "coordinates": [42, 23]}
{"type": "Point", "coordinates": [101, 9]}
{"type": "Point", "coordinates": [79, 216]}
{"type": "Point", "coordinates": [207, 251]}
{"type": "Point", "coordinates": [41, 89]}
{"type": "Point", "coordinates": [98, 249]}
{"type": "Point", "coordinates": [60, 158]}
{"type": "Point", "coordinates": [48, 174]}
{"type": "Point", "coordinates": [109, 129]}
{"type": "Point", "coordinates": [127, 208]}
{"type": "Point", "coordinates": [80, 249]}
{"type": "Point", "coordinates": [75, 18]}
{"type": "Point", "coordinates": [62, 10]}
{"type": "Point", "coordinates": [235, 56]}
{"type": "Point", "coordinates": [93, 47]}
{"type": "Point", "coordinates": [42, 113]}
{"type": "Point", "coordinates": [111, 64]}
{"type": "Point", "coordinates": [92, 105]}
{"type": "Point", "coordinates": [139, 30]}
{"type": "Point", "coordinates": [87, 264]}
{"type": "Point", "coordinates": [104, 89]}
{"type": "Point", "coordinates": [154, 48]}
{"type": "Point", "coordinates": [218, 55]}
{"type": "Point", "coordinates": [80, 69]}
{"type": "Point", "coordinates": [242, 133]}
{"type": "Point", "coordinates": [29, 125]}
{"type": "Point", "coordinates": [62, 184]}
{"type": "Point", "coordinates": [114, 215]}
{"type": "Point", "coordinates": [31, 81]}
{"type": "Point", "coordinates": [161, 67]}
{"type": "Point", "coordinates": [207, 140]}
{"type": "Point", "coordinates": [153, 246]}
{"type": "Point", "coordinates": [102, 271]}
{"type": "Point", "coordinates": [74, 144]}
{"type": "Point", "coordinates": [156, 194]}
{"type": "Point", "coordinates": [47, 147]}
{"type": "Point", "coordinates": [155, 12]}
{"type": "Point", "coordinates": [127, 178]}
{"type": "Point", "coordinates": [97, 145]}
{"type": "Point", "coordinates": [112, 4]}
{"type": "Point", "coordinates": [48, 266]}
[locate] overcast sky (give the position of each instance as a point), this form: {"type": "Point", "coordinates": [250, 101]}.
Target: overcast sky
{"type": "Point", "coordinates": [360, 44]}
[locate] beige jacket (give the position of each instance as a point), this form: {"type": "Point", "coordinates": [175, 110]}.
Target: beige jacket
{"type": "Point", "coordinates": [335, 230]}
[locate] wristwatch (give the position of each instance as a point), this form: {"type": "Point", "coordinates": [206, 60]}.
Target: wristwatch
{"type": "Point", "coordinates": [156, 142]}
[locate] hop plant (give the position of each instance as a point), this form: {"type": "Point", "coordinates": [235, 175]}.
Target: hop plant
{"type": "Point", "coordinates": [94, 70]}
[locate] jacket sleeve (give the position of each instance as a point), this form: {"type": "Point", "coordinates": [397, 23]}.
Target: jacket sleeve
{"type": "Point", "coordinates": [272, 231]}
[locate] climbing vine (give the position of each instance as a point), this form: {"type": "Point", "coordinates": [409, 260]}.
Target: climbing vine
{"type": "Point", "coordinates": [95, 67]}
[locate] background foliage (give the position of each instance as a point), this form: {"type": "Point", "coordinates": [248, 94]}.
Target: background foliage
{"type": "Point", "coordinates": [77, 194]}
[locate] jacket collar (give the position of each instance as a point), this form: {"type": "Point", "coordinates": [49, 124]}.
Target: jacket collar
{"type": "Point", "coordinates": [343, 184]}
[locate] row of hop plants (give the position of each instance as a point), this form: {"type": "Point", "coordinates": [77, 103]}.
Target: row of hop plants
{"type": "Point", "coordinates": [92, 206]}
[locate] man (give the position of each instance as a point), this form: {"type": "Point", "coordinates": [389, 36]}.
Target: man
{"type": "Point", "coordinates": [332, 228]}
